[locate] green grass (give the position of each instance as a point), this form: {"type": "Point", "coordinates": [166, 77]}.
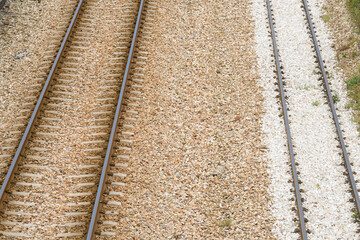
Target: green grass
{"type": "Point", "coordinates": [353, 85]}
{"type": "Point", "coordinates": [316, 103]}
{"type": "Point", "coordinates": [354, 40]}
{"type": "Point", "coordinates": [354, 7]}
{"type": "Point", "coordinates": [354, 54]}
{"type": "Point", "coordinates": [353, 82]}
{"type": "Point", "coordinates": [336, 98]}
{"type": "Point", "coordinates": [355, 215]}
{"type": "Point", "coordinates": [325, 18]}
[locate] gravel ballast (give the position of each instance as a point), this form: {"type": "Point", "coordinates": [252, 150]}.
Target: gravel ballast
{"type": "Point", "coordinates": [202, 150]}
{"type": "Point", "coordinates": [26, 31]}
{"type": "Point", "coordinates": [196, 170]}
{"type": "Point", "coordinates": [275, 136]}
{"type": "Point", "coordinates": [337, 79]}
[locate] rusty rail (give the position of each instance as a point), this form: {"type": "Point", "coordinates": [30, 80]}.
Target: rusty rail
{"type": "Point", "coordinates": [114, 130]}
{"type": "Point", "coordinates": [333, 111]}
{"type": "Point", "coordinates": [27, 133]}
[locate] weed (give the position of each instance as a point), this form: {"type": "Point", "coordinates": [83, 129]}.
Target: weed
{"type": "Point", "coordinates": [336, 98]}
{"type": "Point", "coordinates": [225, 223]}
{"type": "Point", "coordinates": [318, 185]}
{"type": "Point", "coordinates": [316, 103]}
{"type": "Point", "coordinates": [325, 18]}
{"type": "Point", "coordinates": [353, 85]}
{"type": "Point", "coordinates": [307, 88]}
{"type": "Point", "coordinates": [354, 40]}
{"type": "Point", "coordinates": [354, 7]}
{"type": "Point", "coordinates": [356, 214]}
{"type": "Point", "coordinates": [353, 82]}
{"type": "Point", "coordinates": [281, 113]}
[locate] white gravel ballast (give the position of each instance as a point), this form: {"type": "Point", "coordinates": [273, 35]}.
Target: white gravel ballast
{"type": "Point", "coordinates": [326, 193]}
{"type": "Point", "coordinates": [274, 130]}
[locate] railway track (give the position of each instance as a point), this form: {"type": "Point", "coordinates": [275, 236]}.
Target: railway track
{"type": "Point", "coordinates": [67, 175]}
{"type": "Point", "coordinates": [284, 96]}
{"type": "Point", "coordinates": [51, 183]}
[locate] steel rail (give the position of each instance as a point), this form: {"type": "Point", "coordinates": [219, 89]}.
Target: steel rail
{"type": "Point", "coordinates": [287, 126]}
{"type": "Point", "coordinates": [36, 111]}
{"type": "Point", "coordinates": [331, 103]}
{"type": "Point", "coordinates": [114, 130]}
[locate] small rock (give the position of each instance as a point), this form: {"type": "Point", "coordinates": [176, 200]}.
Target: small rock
{"type": "Point", "coordinates": [217, 71]}
{"type": "Point", "coordinates": [21, 55]}
{"type": "Point", "coordinates": [6, 23]}
{"type": "Point", "coordinates": [179, 124]}
{"type": "Point", "coordinates": [237, 118]}
{"type": "Point", "coordinates": [220, 168]}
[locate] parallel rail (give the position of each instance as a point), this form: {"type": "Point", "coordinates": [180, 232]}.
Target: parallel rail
{"type": "Point", "coordinates": [24, 141]}
{"type": "Point", "coordinates": [287, 127]}
{"type": "Point", "coordinates": [114, 130]}
{"type": "Point", "coordinates": [302, 226]}
{"type": "Point", "coordinates": [36, 111]}
{"type": "Point", "coordinates": [333, 111]}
